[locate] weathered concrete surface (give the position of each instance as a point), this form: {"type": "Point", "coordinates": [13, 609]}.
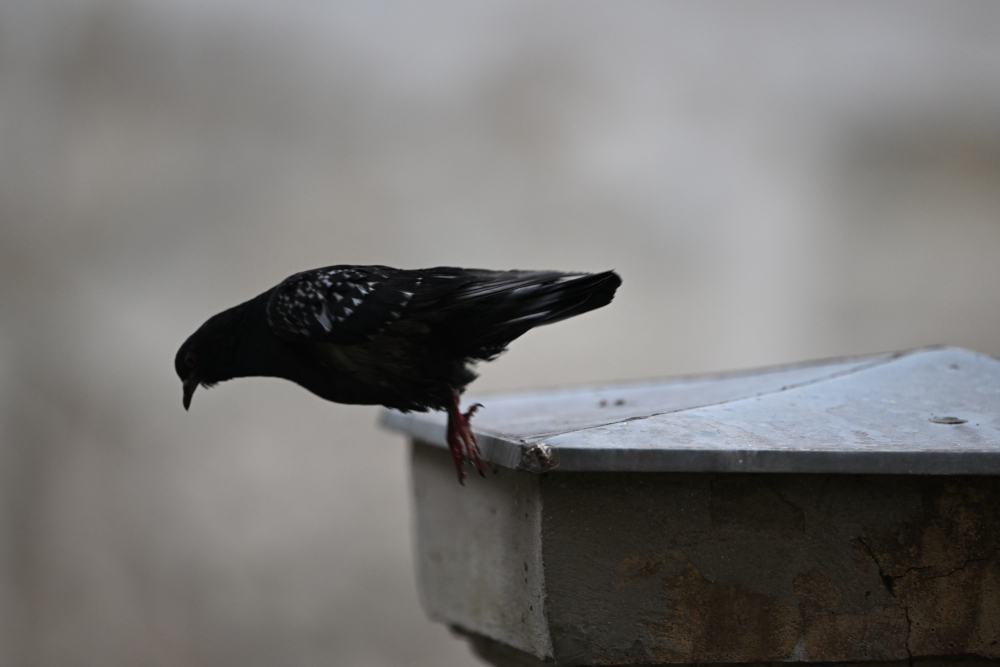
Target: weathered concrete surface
{"type": "Point", "coordinates": [681, 568]}
{"type": "Point", "coordinates": [943, 564]}
{"type": "Point", "coordinates": [479, 556]}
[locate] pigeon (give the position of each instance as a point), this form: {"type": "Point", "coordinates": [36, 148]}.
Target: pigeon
{"type": "Point", "coordinates": [375, 335]}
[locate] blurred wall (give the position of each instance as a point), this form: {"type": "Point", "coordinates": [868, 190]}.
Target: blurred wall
{"type": "Point", "coordinates": [775, 181]}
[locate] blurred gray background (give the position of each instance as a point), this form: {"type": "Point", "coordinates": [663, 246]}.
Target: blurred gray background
{"type": "Point", "coordinates": [775, 181]}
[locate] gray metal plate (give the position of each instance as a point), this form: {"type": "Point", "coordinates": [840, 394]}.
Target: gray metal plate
{"type": "Point", "coordinates": [879, 414]}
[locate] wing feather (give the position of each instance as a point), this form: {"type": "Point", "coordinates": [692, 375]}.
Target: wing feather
{"type": "Point", "coordinates": [338, 304]}
{"type": "Point", "coordinates": [348, 305]}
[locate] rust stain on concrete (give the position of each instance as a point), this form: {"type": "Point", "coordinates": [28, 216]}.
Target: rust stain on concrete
{"type": "Point", "coordinates": [850, 619]}
{"type": "Point", "coordinates": [954, 613]}
{"type": "Point", "coordinates": [943, 565]}
{"type": "Point", "coordinates": [957, 520]}
{"type": "Point", "coordinates": [723, 622]}
{"type": "Point", "coordinates": [759, 569]}
{"type": "Point", "coordinates": [641, 566]}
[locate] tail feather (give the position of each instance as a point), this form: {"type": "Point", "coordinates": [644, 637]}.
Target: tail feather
{"type": "Point", "coordinates": [503, 317]}
{"type": "Point", "coordinates": [580, 295]}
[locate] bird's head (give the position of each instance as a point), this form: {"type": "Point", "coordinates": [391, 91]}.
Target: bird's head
{"type": "Point", "coordinates": [206, 357]}
{"type": "Point", "coordinates": [192, 362]}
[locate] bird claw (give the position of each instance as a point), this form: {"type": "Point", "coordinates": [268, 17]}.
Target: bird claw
{"type": "Point", "coordinates": [461, 439]}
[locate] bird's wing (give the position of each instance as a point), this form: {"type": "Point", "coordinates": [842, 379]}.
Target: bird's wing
{"type": "Point", "coordinates": [339, 304]}
{"type": "Point", "coordinates": [347, 305]}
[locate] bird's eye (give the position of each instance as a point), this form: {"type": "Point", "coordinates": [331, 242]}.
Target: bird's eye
{"type": "Point", "coordinates": [190, 361]}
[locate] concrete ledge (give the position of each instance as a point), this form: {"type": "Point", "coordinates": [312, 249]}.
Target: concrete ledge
{"type": "Point", "coordinates": [579, 568]}
{"type": "Point", "coordinates": [842, 511]}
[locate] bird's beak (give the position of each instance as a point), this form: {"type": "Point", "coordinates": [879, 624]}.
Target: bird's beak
{"type": "Point", "coordinates": [190, 384]}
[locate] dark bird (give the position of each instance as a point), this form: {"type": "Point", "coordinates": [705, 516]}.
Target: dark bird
{"type": "Point", "coordinates": [404, 339]}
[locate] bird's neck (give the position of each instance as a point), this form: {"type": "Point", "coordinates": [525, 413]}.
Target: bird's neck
{"type": "Point", "coordinates": [250, 343]}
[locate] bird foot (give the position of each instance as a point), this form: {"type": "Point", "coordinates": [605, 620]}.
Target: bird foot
{"type": "Point", "coordinates": [461, 439]}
